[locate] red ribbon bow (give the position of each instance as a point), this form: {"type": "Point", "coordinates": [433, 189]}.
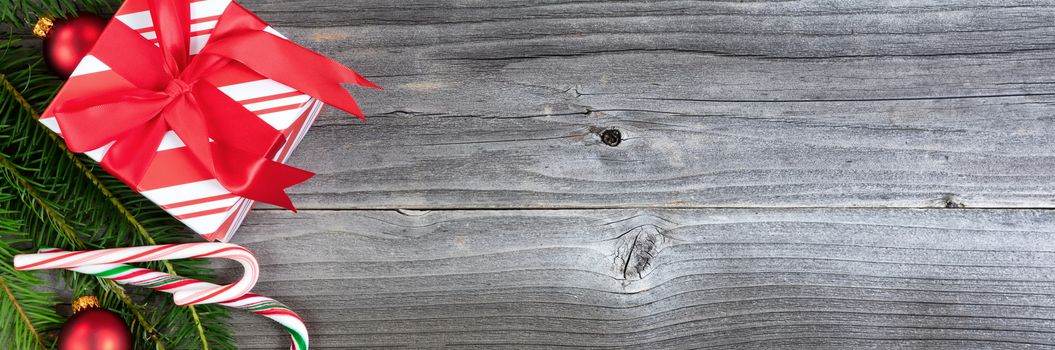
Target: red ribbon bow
{"type": "Point", "coordinates": [232, 143]}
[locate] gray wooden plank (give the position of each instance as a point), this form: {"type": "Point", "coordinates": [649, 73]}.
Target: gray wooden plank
{"type": "Point", "coordinates": [719, 103]}
{"type": "Point", "coordinates": [658, 278]}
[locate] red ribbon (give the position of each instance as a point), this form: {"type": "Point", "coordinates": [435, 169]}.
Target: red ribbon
{"type": "Point", "coordinates": [170, 93]}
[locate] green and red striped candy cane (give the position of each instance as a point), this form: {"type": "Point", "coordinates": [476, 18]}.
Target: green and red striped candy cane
{"type": "Point", "coordinates": [109, 263]}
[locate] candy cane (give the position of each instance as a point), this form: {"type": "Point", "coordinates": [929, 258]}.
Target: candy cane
{"type": "Point", "coordinates": [110, 266]}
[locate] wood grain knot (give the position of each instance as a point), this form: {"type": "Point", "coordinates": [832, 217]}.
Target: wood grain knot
{"type": "Point", "coordinates": [950, 200]}
{"type": "Point", "coordinates": [611, 137]}
{"type": "Point", "coordinates": [639, 250]}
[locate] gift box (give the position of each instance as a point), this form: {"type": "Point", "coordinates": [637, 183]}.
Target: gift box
{"type": "Point", "coordinates": [178, 178]}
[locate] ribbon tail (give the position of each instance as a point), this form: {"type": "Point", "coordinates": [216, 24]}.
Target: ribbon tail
{"type": "Point", "coordinates": [256, 178]}
{"type": "Point", "coordinates": [300, 68]}
{"type": "Point", "coordinates": [246, 173]}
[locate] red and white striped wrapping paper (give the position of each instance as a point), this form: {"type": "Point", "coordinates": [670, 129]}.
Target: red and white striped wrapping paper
{"type": "Point", "coordinates": [175, 180]}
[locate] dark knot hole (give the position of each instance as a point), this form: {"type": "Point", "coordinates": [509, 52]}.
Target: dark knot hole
{"type": "Point", "coordinates": [611, 137]}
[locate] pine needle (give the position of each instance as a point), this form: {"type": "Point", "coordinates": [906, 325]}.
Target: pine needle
{"type": "Point", "coordinates": [24, 13]}
{"type": "Point", "coordinates": [25, 312]}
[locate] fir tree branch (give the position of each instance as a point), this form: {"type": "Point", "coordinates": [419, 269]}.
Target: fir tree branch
{"type": "Point", "coordinates": [29, 190]}
{"type": "Point", "coordinates": [18, 96]}
{"type": "Point", "coordinates": [83, 191]}
{"type": "Point", "coordinates": [109, 195]}
{"type": "Point", "coordinates": [24, 13]}
{"type": "Point", "coordinates": [21, 312]}
{"type": "Point", "coordinates": [26, 310]}
{"type": "Point", "coordinates": [57, 220]}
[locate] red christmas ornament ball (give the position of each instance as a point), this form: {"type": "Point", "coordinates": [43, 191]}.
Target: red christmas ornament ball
{"type": "Point", "coordinates": [94, 328]}
{"type": "Point", "coordinates": [68, 40]}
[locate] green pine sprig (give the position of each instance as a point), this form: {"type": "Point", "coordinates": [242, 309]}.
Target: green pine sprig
{"type": "Point", "coordinates": [26, 311]}
{"type": "Point", "coordinates": [58, 199]}
{"type": "Point", "coordinates": [24, 13]}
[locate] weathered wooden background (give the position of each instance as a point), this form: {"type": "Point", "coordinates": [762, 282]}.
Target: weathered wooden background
{"type": "Point", "coordinates": [791, 174]}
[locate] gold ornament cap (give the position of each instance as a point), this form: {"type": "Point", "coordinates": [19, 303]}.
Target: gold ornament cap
{"type": "Point", "coordinates": [43, 26]}
{"type": "Point", "coordinates": [85, 302]}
